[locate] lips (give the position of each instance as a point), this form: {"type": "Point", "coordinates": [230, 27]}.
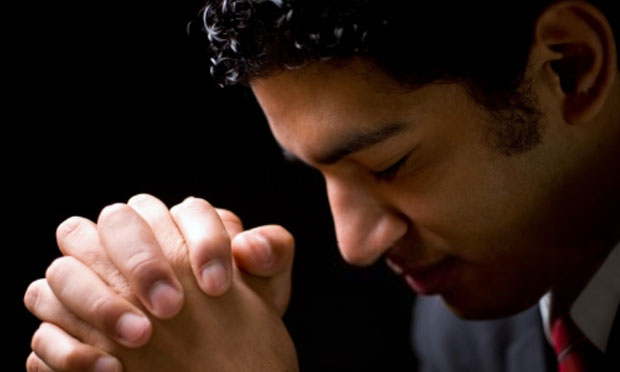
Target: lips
{"type": "Point", "coordinates": [426, 279]}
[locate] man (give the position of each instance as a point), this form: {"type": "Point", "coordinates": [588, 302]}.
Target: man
{"type": "Point", "coordinates": [473, 146]}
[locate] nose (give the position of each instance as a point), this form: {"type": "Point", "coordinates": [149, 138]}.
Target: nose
{"type": "Point", "coordinates": [366, 225]}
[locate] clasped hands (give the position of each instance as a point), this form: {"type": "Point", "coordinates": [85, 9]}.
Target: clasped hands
{"type": "Point", "coordinates": [152, 289]}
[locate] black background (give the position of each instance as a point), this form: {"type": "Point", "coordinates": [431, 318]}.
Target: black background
{"type": "Point", "coordinates": [109, 99]}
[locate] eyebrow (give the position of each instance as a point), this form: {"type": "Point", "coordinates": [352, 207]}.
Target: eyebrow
{"type": "Point", "coordinates": [358, 142]}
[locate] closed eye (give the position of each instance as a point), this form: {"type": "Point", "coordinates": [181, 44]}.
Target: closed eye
{"type": "Point", "coordinates": [390, 173]}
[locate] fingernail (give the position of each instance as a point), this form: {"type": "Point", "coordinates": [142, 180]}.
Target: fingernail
{"type": "Point", "coordinates": [165, 299]}
{"type": "Point", "coordinates": [107, 364]}
{"type": "Point", "coordinates": [214, 277]}
{"type": "Point", "coordinates": [131, 327]}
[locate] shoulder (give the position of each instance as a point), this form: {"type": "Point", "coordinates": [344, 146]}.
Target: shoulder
{"type": "Point", "coordinates": [444, 342]}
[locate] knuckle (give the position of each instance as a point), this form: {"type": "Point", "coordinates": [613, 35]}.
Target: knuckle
{"type": "Point", "coordinates": [76, 358]}
{"type": "Point", "coordinates": [68, 227]}
{"type": "Point", "coordinates": [197, 204]}
{"type": "Point", "coordinates": [37, 338]}
{"type": "Point", "coordinates": [143, 264]}
{"type": "Point", "coordinates": [32, 363]}
{"type": "Point", "coordinates": [113, 213]}
{"type": "Point", "coordinates": [142, 198]}
{"type": "Point", "coordinates": [212, 244]}
{"type": "Point", "coordinates": [100, 308]}
{"type": "Point", "coordinates": [146, 201]}
{"type": "Point", "coordinates": [229, 216]}
{"type": "Point", "coordinates": [32, 295]}
{"type": "Point", "coordinates": [175, 208]}
{"type": "Point", "coordinates": [77, 237]}
{"type": "Point", "coordinates": [59, 269]}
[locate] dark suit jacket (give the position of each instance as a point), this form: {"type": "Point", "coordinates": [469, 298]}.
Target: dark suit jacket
{"type": "Point", "coordinates": [445, 343]}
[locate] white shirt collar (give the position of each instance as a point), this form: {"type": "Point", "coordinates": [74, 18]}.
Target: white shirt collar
{"type": "Point", "coordinates": [595, 309]}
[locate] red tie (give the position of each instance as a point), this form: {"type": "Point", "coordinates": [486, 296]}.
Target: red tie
{"type": "Point", "coordinates": [574, 351]}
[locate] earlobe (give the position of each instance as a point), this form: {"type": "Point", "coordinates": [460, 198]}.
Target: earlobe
{"type": "Point", "coordinates": [576, 45]}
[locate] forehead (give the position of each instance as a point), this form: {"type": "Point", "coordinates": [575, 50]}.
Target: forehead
{"type": "Point", "coordinates": [322, 103]}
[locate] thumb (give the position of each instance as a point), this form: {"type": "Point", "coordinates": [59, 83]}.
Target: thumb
{"type": "Point", "coordinates": [265, 255]}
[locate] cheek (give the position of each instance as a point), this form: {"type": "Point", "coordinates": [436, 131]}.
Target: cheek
{"type": "Point", "coordinates": [491, 229]}
{"type": "Point", "coordinates": [471, 204]}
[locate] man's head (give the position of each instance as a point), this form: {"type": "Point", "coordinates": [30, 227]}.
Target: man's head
{"type": "Point", "coordinates": [471, 143]}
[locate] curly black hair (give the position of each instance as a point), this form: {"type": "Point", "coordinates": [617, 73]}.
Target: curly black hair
{"type": "Point", "coordinates": [483, 44]}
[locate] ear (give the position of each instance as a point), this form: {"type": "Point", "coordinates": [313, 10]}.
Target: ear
{"type": "Point", "coordinates": [575, 50]}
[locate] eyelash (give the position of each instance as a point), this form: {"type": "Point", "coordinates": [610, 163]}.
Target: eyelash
{"type": "Point", "coordinates": [390, 173]}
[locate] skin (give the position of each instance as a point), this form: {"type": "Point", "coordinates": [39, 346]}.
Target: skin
{"type": "Point", "coordinates": [545, 212]}
{"type": "Point", "coordinates": [499, 231]}
{"type": "Point", "coordinates": [82, 294]}
{"type": "Point", "coordinates": [456, 197]}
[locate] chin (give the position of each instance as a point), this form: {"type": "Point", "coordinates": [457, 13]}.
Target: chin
{"type": "Point", "coordinates": [474, 307]}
